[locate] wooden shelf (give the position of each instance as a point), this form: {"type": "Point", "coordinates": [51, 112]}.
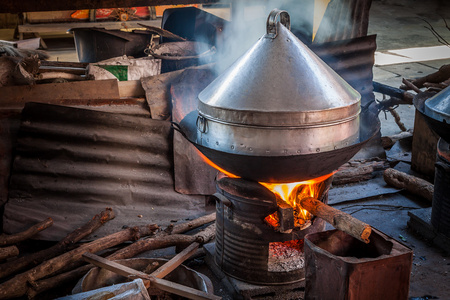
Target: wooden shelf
{"type": "Point", "coordinates": [37, 29]}
{"type": "Point", "coordinates": [64, 27]}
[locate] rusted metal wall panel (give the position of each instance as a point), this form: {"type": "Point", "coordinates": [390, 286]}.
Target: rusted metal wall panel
{"type": "Point", "coordinates": [353, 60]}
{"type": "Point", "coordinates": [71, 163]}
{"type": "Point", "coordinates": [344, 19]}
{"type": "Point", "coordinates": [9, 125]}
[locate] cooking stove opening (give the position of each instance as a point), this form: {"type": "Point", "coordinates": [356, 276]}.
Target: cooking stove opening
{"type": "Point", "coordinates": [288, 255]}
{"type": "Point", "coordinates": [260, 227]}
{"type": "Point", "coordinates": [290, 195]}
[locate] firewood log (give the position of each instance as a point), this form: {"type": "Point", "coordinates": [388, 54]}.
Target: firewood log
{"type": "Point", "coordinates": [412, 184]}
{"type": "Point", "coordinates": [162, 239]}
{"type": "Point", "coordinates": [8, 252]}
{"type": "Point", "coordinates": [18, 285]}
{"type": "Point", "coordinates": [64, 245]}
{"type": "Point", "coordinates": [25, 235]}
{"type": "Point", "coordinates": [339, 219]}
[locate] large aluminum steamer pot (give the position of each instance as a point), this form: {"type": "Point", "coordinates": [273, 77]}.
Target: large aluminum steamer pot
{"type": "Point", "coordinates": [279, 113]}
{"type": "Point", "coordinates": [285, 168]}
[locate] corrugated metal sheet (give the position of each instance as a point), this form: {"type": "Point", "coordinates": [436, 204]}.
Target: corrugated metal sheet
{"type": "Point", "coordinates": [9, 125]}
{"type": "Point", "coordinates": [344, 19]}
{"type": "Point", "coordinates": [353, 60]}
{"type": "Point", "coordinates": [71, 163]}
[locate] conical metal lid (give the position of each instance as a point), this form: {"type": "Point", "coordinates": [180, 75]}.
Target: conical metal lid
{"type": "Point", "coordinates": [279, 82]}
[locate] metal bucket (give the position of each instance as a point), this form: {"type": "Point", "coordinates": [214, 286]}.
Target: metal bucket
{"type": "Point", "coordinates": [179, 55]}
{"type": "Point", "coordinates": [97, 277]}
{"type": "Point", "coordinates": [97, 44]}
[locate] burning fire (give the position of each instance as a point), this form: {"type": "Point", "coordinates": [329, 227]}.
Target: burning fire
{"type": "Point", "coordinates": [292, 193]}
{"type": "Point", "coordinates": [209, 162]}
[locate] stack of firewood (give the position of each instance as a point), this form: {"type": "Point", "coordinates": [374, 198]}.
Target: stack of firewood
{"type": "Point", "coordinates": [33, 273]}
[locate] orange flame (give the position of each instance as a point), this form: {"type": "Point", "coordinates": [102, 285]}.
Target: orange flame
{"type": "Point", "coordinates": [209, 162]}
{"type": "Point", "coordinates": [292, 193]}
{"type": "Point", "coordinates": [303, 189]}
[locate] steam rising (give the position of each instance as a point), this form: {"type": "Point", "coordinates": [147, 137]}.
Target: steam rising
{"type": "Point", "coordinates": [248, 24]}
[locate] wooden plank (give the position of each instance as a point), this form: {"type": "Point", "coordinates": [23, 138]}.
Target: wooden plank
{"type": "Point", "coordinates": [131, 88]}
{"type": "Point", "coordinates": [76, 71]}
{"type": "Point", "coordinates": [63, 27]}
{"type": "Point", "coordinates": [55, 93]}
{"type": "Point", "coordinates": [162, 284]}
{"type": "Point", "coordinates": [177, 260]}
{"type": "Point", "coordinates": [13, 6]}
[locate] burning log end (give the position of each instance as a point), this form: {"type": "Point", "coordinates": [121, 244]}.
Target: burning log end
{"type": "Point", "coordinates": [362, 231]}
{"type": "Point", "coordinates": [285, 216]}
{"type": "Point", "coordinates": [340, 220]}
{"type": "Point", "coordinates": [106, 215]}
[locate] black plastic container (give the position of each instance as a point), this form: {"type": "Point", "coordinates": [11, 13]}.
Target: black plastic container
{"type": "Point", "coordinates": [96, 44]}
{"type": "Point", "coordinates": [440, 214]}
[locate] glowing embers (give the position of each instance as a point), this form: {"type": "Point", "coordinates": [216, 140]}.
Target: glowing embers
{"type": "Point", "coordinates": [290, 214]}
{"type": "Point", "coordinates": [286, 256]}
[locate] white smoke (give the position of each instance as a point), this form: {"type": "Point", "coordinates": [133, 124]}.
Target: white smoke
{"type": "Point", "coordinates": [248, 24]}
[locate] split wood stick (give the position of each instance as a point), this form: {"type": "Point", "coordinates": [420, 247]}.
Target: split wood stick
{"type": "Point", "coordinates": [389, 141]}
{"type": "Point", "coordinates": [164, 241]}
{"type": "Point", "coordinates": [161, 240]}
{"type": "Point", "coordinates": [59, 75]}
{"type": "Point", "coordinates": [18, 285]}
{"type": "Point", "coordinates": [411, 85]}
{"type": "Point", "coordinates": [410, 183]}
{"type": "Point", "coordinates": [8, 252]}
{"type": "Point", "coordinates": [162, 284]}
{"type": "Point", "coordinates": [64, 245]}
{"type": "Point", "coordinates": [184, 227]}
{"type": "Point", "coordinates": [76, 71]}
{"type": "Point", "coordinates": [340, 220]}
{"type": "Point", "coordinates": [397, 119]}
{"type": "Point", "coordinates": [177, 260]}
{"type": "Point", "coordinates": [24, 235]}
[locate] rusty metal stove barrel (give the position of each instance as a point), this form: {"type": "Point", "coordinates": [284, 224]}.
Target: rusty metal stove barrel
{"type": "Point", "coordinates": [247, 248]}
{"type": "Point", "coordinates": [279, 113]}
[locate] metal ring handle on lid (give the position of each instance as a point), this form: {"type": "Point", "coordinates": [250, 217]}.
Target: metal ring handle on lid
{"type": "Point", "coordinates": [272, 21]}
